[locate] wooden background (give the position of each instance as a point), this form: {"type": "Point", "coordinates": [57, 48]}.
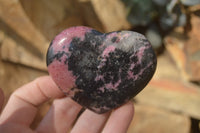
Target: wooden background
{"type": "Point", "coordinates": [169, 104]}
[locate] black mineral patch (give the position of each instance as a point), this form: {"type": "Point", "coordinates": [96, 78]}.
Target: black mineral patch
{"type": "Point", "coordinates": [83, 63]}
{"type": "Point", "coordinates": [51, 56]}
{"type": "Point", "coordinates": [114, 39]}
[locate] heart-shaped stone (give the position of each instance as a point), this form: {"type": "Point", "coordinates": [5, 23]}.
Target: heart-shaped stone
{"type": "Point", "coordinates": [100, 71]}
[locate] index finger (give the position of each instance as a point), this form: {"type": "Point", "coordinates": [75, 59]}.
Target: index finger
{"type": "Point", "coordinates": [22, 105]}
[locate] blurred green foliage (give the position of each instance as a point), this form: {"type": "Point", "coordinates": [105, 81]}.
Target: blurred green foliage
{"type": "Point", "coordinates": [158, 16]}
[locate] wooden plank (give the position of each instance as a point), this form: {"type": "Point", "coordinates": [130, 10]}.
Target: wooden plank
{"type": "Point", "coordinates": [12, 13]}
{"type": "Point", "coordinates": [185, 50]}
{"type": "Point", "coordinates": [11, 51]}
{"type": "Point", "coordinates": [111, 14]}
{"type": "Point", "coordinates": [172, 95]}
{"type": "Point", "coordinates": [149, 119]}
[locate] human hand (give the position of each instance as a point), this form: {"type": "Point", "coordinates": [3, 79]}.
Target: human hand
{"type": "Point", "coordinates": [23, 104]}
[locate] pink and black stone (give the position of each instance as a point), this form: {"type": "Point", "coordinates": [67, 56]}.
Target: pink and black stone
{"type": "Point", "coordinates": [100, 71]}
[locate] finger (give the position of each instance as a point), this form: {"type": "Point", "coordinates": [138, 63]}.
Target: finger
{"type": "Point", "coordinates": [14, 128]}
{"type": "Point", "coordinates": [60, 117]}
{"type": "Point", "coordinates": [90, 122]}
{"type": "Point", "coordinates": [120, 119]}
{"type": "Point", "coordinates": [22, 105]}
{"type": "Point", "coordinates": [1, 99]}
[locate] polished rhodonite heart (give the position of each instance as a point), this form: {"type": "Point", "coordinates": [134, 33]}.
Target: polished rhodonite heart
{"type": "Point", "coordinates": [100, 71]}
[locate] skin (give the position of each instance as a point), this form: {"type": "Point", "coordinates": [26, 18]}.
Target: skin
{"type": "Point", "coordinates": [22, 107]}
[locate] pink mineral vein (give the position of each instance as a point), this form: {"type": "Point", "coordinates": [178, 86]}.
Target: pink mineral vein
{"type": "Point", "coordinates": [113, 86]}
{"type": "Point", "coordinates": [66, 36]}
{"type": "Point", "coordinates": [108, 50]}
{"type": "Point", "coordinates": [64, 80]}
